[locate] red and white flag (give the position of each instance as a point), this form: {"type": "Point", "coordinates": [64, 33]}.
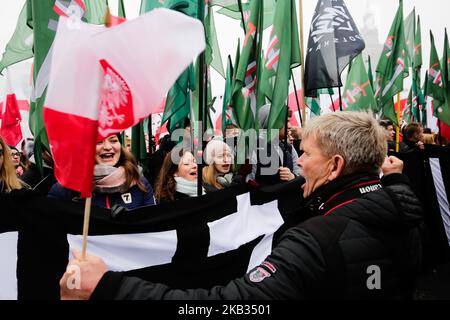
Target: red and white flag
{"type": "Point", "coordinates": [10, 129]}
{"type": "Point", "coordinates": [103, 81]}
{"type": "Point", "coordinates": [10, 116]}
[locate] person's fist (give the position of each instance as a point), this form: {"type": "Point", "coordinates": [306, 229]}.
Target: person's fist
{"type": "Point", "coordinates": [392, 165]}
{"type": "Point", "coordinates": [286, 174]}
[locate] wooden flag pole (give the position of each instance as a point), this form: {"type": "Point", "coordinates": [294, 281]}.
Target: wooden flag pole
{"type": "Point", "coordinates": [397, 131]}
{"type": "Point", "coordinates": [302, 60]}
{"type": "Point", "coordinates": [87, 215]}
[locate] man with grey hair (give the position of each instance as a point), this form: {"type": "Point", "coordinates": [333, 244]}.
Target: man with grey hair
{"type": "Point", "coordinates": [363, 240]}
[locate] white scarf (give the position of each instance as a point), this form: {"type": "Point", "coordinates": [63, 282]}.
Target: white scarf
{"type": "Point", "coordinates": [187, 187]}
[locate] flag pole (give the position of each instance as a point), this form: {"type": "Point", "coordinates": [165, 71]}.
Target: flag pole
{"type": "Point", "coordinates": [397, 131]}
{"type": "Point", "coordinates": [151, 145]}
{"type": "Point", "coordinates": [340, 99]}
{"type": "Point", "coordinates": [296, 98]}
{"type": "Point", "coordinates": [201, 103]}
{"type": "Point", "coordinates": [332, 102]}
{"type": "Point", "coordinates": [87, 215]}
{"type": "Point", "coordinates": [302, 60]}
{"type": "Point", "coordinates": [439, 133]}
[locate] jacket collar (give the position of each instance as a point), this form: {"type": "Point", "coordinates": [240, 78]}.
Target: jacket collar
{"type": "Point", "coordinates": [341, 191]}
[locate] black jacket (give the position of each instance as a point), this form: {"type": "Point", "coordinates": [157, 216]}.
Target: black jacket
{"type": "Point", "coordinates": [358, 226]}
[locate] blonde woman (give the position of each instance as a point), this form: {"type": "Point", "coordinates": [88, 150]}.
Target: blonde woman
{"type": "Point", "coordinates": [218, 174]}
{"type": "Point", "coordinates": [8, 177]}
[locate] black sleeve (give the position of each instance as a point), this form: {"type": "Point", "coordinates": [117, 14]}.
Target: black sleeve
{"type": "Point", "coordinates": [395, 178]}
{"type": "Point", "coordinates": [293, 267]}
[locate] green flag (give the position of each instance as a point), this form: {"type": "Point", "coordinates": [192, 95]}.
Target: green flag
{"type": "Point", "coordinates": [417, 57]}
{"type": "Point", "coordinates": [244, 89]}
{"type": "Point", "coordinates": [392, 67]}
{"type": "Point", "coordinates": [443, 111]}
{"type": "Point", "coordinates": [20, 46]}
{"type": "Point", "coordinates": [358, 93]}
{"type": "Point", "coordinates": [329, 91]}
{"type": "Point", "coordinates": [188, 7]}
{"type": "Point", "coordinates": [95, 11]}
{"type": "Point", "coordinates": [232, 11]}
{"type": "Point", "coordinates": [212, 52]}
{"type": "Point", "coordinates": [370, 74]}
{"type": "Point", "coordinates": [423, 115]}
{"type": "Point", "coordinates": [410, 32]}
{"type": "Point", "coordinates": [314, 106]}
{"type": "Point", "coordinates": [436, 85]}
{"type": "Point", "coordinates": [226, 116]}
{"type": "Point", "coordinates": [43, 17]}
{"type": "Point", "coordinates": [122, 9]}
{"type": "Point", "coordinates": [178, 101]}
{"type": "Point", "coordinates": [407, 115]}
{"type": "Point", "coordinates": [416, 99]}
{"type": "Point", "coordinates": [417, 95]}
{"type": "Point", "coordinates": [138, 145]}
{"type": "Point", "coordinates": [282, 55]}
{"type": "Point", "coordinates": [179, 98]}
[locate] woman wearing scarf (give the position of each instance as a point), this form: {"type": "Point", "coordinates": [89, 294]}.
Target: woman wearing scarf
{"type": "Point", "coordinates": [178, 177]}
{"type": "Point", "coordinates": [16, 157]}
{"type": "Point", "coordinates": [8, 177]}
{"type": "Point", "coordinates": [118, 181]}
{"type": "Point", "coordinates": [218, 174]}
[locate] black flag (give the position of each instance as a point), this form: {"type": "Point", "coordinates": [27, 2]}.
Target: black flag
{"type": "Point", "coordinates": [334, 40]}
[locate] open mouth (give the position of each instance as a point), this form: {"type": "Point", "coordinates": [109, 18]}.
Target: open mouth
{"type": "Point", "coordinates": [193, 174]}
{"type": "Point", "coordinates": [107, 156]}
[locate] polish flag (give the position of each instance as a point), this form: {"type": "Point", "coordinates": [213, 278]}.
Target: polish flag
{"type": "Point", "coordinates": [103, 81]}
{"type": "Point", "coordinates": [10, 129]}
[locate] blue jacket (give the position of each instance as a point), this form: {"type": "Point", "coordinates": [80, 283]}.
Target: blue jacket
{"type": "Point", "coordinates": [133, 199]}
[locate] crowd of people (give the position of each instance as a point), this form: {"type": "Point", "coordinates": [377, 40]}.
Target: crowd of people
{"type": "Point", "coordinates": [334, 154]}
{"type": "Point", "coordinates": [328, 255]}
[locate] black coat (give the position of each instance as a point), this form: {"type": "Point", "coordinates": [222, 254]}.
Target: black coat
{"type": "Point", "coordinates": [358, 225]}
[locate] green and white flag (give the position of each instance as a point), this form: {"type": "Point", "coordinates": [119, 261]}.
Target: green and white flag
{"type": "Point", "coordinates": [358, 93]}
{"type": "Point", "coordinates": [443, 112]}
{"type": "Point", "coordinates": [43, 17]}
{"type": "Point", "coordinates": [244, 89]}
{"type": "Point", "coordinates": [20, 46]}
{"type": "Point", "coordinates": [282, 54]}
{"type": "Point", "coordinates": [410, 32]}
{"type": "Point", "coordinates": [95, 11]}
{"type": "Point", "coordinates": [392, 67]}
{"type": "Point", "coordinates": [407, 115]}
{"type": "Point", "coordinates": [417, 56]}
{"type": "Point", "coordinates": [232, 10]}
{"type": "Point", "coordinates": [314, 106]}
{"type": "Point", "coordinates": [436, 85]}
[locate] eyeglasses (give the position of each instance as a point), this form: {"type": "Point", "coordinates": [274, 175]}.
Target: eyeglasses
{"type": "Point", "coordinates": [15, 154]}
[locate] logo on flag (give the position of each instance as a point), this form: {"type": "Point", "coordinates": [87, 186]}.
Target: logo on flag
{"type": "Point", "coordinates": [116, 103]}
{"type": "Point", "coordinates": [435, 75]}
{"type": "Point", "coordinates": [274, 52]}
{"type": "Point", "coordinates": [331, 19]}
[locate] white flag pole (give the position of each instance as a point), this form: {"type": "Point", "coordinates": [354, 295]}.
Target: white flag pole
{"type": "Point", "coordinates": [302, 59]}
{"type": "Point", "coordinates": [87, 215]}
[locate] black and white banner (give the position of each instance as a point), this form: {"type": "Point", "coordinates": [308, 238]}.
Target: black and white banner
{"type": "Point", "coordinates": [192, 243]}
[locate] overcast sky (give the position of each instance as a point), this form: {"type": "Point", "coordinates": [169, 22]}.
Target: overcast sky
{"type": "Point", "coordinates": [433, 13]}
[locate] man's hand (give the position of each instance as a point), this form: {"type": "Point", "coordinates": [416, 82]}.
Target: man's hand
{"type": "Point", "coordinates": [81, 277]}
{"type": "Point", "coordinates": [286, 174]}
{"type": "Point", "coordinates": [420, 145]}
{"type": "Point", "coordinates": [392, 165]}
